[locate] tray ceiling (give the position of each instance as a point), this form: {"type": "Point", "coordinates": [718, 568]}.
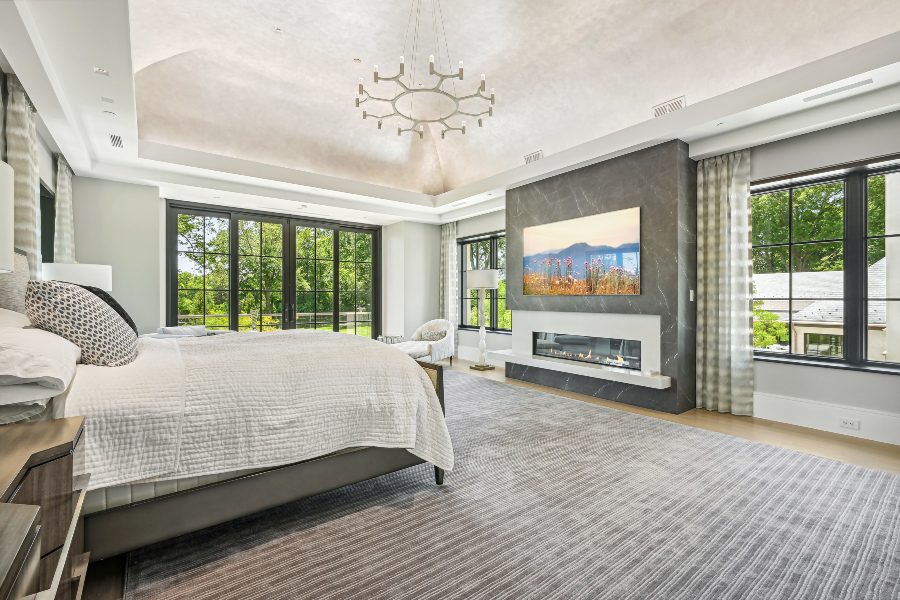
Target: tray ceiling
{"type": "Point", "coordinates": [217, 77]}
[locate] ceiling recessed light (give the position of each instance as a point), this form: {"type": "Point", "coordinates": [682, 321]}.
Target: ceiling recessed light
{"type": "Point", "coordinates": [357, 60]}
{"type": "Point", "coordinates": [217, 197]}
{"type": "Point", "coordinates": [106, 100]}
{"type": "Point", "coordinates": [101, 71]}
{"type": "Point", "coordinates": [277, 29]}
{"type": "Point", "coordinates": [720, 123]}
{"type": "Point", "coordinates": [109, 113]}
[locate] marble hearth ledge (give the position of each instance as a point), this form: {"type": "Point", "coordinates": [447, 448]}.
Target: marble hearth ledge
{"type": "Point", "coordinates": [659, 382]}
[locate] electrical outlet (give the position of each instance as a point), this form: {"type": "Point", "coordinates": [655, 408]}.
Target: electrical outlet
{"type": "Point", "coordinates": [849, 423]}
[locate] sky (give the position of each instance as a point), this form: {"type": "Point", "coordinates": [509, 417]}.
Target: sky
{"type": "Point", "coordinates": [611, 229]}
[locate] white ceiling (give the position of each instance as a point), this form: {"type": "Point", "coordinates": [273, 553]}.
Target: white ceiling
{"type": "Point", "coordinates": [210, 100]}
{"type": "Point", "coordinates": [217, 77]}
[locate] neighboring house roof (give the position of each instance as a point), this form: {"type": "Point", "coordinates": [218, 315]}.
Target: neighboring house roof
{"type": "Point", "coordinates": [823, 284]}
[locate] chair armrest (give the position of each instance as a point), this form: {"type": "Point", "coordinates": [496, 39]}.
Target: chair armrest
{"type": "Point", "coordinates": [442, 348]}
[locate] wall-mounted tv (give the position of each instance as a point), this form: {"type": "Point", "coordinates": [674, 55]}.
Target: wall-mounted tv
{"type": "Point", "coordinates": [597, 255]}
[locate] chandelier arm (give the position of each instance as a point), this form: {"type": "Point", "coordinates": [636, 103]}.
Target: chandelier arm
{"type": "Point", "coordinates": [446, 75]}
{"type": "Point", "coordinates": [369, 96]}
{"type": "Point", "coordinates": [468, 114]}
{"type": "Point", "coordinates": [477, 94]}
{"type": "Point", "coordinates": [387, 116]}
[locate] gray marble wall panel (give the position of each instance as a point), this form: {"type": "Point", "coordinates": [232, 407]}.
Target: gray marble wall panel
{"type": "Point", "coordinates": [662, 181]}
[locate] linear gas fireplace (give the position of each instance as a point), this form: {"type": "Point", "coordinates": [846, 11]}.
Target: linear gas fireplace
{"type": "Point", "coordinates": [612, 352]}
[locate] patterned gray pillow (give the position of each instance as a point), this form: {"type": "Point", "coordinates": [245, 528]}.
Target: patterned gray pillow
{"type": "Point", "coordinates": [433, 336]}
{"type": "Point", "coordinates": [79, 316]}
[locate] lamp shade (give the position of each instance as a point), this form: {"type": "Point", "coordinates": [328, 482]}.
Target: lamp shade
{"type": "Point", "coordinates": [482, 279]}
{"type": "Point", "coordinates": [7, 217]}
{"type": "Point", "coordinates": [99, 276]}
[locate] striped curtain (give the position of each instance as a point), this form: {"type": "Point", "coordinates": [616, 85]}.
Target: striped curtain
{"type": "Point", "coordinates": [2, 117]}
{"type": "Point", "coordinates": [724, 328]}
{"type": "Point", "coordinates": [64, 240]}
{"type": "Point", "coordinates": [449, 286]}
{"type": "Point", "coordinates": [21, 147]}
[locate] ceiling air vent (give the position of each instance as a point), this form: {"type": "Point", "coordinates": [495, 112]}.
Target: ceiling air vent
{"type": "Point", "coordinates": [845, 88]}
{"type": "Point", "coordinates": [669, 106]}
{"type": "Point", "coordinates": [115, 141]}
{"type": "Point", "coordinates": [537, 155]}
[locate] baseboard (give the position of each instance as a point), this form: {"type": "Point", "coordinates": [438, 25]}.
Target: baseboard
{"type": "Point", "coordinates": [878, 425]}
{"type": "Point", "coordinates": [471, 353]}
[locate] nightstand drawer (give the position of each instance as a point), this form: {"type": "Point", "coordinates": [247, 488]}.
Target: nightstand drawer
{"type": "Point", "coordinates": [37, 469]}
{"type": "Point", "coordinates": [27, 580]}
{"type": "Point", "coordinates": [49, 486]}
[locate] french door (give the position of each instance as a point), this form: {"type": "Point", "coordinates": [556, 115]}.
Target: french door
{"type": "Point", "coordinates": [334, 284]}
{"type": "Point", "coordinates": [254, 272]}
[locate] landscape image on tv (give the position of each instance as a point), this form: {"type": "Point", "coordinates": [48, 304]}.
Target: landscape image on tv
{"type": "Point", "coordinates": [597, 255]}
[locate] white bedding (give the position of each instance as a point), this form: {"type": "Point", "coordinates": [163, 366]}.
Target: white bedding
{"type": "Point", "coordinates": [201, 406]}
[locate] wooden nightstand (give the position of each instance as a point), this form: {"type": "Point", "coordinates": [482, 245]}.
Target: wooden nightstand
{"type": "Point", "coordinates": [37, 465]}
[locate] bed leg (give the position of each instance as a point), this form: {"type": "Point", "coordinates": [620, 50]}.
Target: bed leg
{"type": "Point", "coordinates": [439, 476]}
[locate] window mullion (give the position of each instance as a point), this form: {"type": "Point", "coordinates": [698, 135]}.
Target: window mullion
{"type": "Point", "coordinates": [336, 277]}
{"type": "Point", "coordinates": [493, 293]}
{"type": "Point", "coordinates": [791, 271]}
{"type": "Point", "coordinates": [234, 308]}
{"type": "Point", "coordinates": [855, 269]}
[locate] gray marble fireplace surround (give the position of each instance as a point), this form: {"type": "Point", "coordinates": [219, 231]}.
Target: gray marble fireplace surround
{"type": "Point", "coordinates": [662, 181]}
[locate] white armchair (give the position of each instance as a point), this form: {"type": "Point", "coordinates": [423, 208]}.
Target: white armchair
{"type": "Point", "coordinates": [422, 346]}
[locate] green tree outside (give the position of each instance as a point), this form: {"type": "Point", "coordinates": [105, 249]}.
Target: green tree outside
{"type": "Point", "coordinates": [203, 258]}
{"type": "Point", "coordinates": [817, 214]}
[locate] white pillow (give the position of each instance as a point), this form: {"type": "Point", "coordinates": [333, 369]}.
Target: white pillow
{"type": "Point", "coordinates": [36, 356]}
{"type": "Point", "coordinates": [11, 318]}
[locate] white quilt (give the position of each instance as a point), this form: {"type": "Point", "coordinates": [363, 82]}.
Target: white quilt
{"type": "Point", "coordinates": [201, 406]}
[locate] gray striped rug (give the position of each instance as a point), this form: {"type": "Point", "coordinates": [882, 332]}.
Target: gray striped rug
{"type": "Point", "coordinates": [554, 498]}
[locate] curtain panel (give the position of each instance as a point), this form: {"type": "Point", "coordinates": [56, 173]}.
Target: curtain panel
{"type": "Point", "coordinates": [3, 94]}
{"type": "Point", "coordinates": [449, 285]}
{"type": "Point", "coordinates": [64, 239]}
{"type": "Point", "coordinates": [21, 148]}
{"type": "Point", "coordinates": [724, 326]}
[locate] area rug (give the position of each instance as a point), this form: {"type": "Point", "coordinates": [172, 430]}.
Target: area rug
{"type": "Point", "coordinates": [555, 498]}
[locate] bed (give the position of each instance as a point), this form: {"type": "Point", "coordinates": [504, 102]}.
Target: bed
{"type": "Point", "coordinates": [199, 431]}
{"type": "Point", "coordinates": [201, 440]}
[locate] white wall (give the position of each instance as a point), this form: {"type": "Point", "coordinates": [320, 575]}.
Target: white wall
{"type": "Point", "coordinates": [861, 140]}
{"type": "Point", "coordinates": [120, 224]}
{"type": "Point", "coordinates": [816, 396]}
{"type": "Point", "coordinates": [410, 259]}
{"type": "Point", "coordinates": [468, 340]}
{"type": "Point", "coordinates": [488, 223]}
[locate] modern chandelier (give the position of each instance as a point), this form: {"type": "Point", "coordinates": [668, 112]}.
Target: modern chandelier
{"type": "Point", "coordinates": [416, 103]}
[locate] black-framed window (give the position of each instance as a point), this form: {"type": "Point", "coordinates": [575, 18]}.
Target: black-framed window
{"type": "Point", "coordinates": [278, 271]}
{"type": "Point", "coordinates": [823, 288]}
{"type": "Point", "coordinates": [484, 252]}
{"type": "Point", "coordinates": [48, 223]}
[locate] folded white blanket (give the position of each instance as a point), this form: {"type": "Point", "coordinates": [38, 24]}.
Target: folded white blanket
{"type": "Point", "coordinates": [199, 406]}
{"type": "Point", "coordinates": [185, 330]}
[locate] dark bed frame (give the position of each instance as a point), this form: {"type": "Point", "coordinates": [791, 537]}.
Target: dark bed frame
{"type": "Point", "coordinates": [124, 528]}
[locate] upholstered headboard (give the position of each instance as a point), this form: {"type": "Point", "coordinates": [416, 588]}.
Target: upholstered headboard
{"type": "Point", "coordinates": [12, 285]}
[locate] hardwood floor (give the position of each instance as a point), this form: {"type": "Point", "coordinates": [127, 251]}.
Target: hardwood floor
{"type": "Point", "coordinates": [865, 453]}
{"type": "Point", "coordinates": [105, 579]}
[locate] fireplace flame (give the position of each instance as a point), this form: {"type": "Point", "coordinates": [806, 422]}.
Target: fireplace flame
{"type": "Point", "coordinates": [620, 359]}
